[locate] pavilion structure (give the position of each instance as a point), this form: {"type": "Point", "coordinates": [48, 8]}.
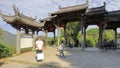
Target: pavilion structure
{"type": "Point", "coordinates": [86, 16]}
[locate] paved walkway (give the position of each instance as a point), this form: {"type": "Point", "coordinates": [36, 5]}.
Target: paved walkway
{"type": "Point", "coordinates": [75, 58]}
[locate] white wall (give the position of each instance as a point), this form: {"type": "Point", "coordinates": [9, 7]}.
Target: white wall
{"type": "Point", "coordinates": [26, 42]}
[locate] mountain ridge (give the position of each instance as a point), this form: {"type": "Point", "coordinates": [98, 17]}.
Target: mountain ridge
{"type": "Point", "coordinates": [9, 38]}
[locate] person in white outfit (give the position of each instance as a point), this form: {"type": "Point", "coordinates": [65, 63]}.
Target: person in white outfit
{"type": "Point", "coordinates": [39, 47]}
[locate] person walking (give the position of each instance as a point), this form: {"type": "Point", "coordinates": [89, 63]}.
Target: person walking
{"type": "Point", "coordinates": [61, 47]}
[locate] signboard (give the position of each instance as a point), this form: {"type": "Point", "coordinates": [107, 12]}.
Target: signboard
{"type": "Point", "coordinates": [26, 42]}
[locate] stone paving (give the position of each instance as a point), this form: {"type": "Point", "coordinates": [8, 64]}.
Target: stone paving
{"type": "Point", "coordinates": [75, 58]}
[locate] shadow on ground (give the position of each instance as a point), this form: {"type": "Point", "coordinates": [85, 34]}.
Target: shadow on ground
{"type": "Point", "coordinates": [49, 65]}
{"type": "Point", "coordinates": [91, 59]}
{"type": "Point", "coordinates": [74, 58]}
{"type": "Point", "coordinates": [1, 63]}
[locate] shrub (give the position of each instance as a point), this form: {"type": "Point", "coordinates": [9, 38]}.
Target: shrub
{"type": "Point", "coordinates": [4, 50]}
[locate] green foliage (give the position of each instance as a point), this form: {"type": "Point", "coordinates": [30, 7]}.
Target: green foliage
{"type": "Point", "coordinates": [61, 32]}
{"type": "Point", "coordinates": [90, 41]}
{"type": "Point", "coordinates": [4, 50]}
{"type": "Point", "coordinates": [51, 40]}
{"type": "Point", "coordinates": [12, 48]}
{"type": "Point", "coordinates": [79, 37]}
{"type": "Point", "coordinates": [92, 36]}
{"type": "Point", "coordinates": [72, 30]}
{"type": "Point", "coordinates": [26, 49]}
{"type": "Point", "coordinates": [108, 35]}
{"type": "Point", "coordinates": [93, 32]}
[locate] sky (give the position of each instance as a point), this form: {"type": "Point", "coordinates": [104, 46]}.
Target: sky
{"type": "Point", "coordinates": [41, 8]}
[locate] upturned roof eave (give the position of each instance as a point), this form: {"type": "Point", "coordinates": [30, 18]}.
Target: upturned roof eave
{"type": "Point", "coordinates": [71, 9]}
{"type": "Point", "coordinates": [31, 23]}
{"type": "Point", "coordinates": [9, 19]}
{"type": "Point", "coordinates": [15, 19]}
{"type": "Point", "coordinates": [96, 10]}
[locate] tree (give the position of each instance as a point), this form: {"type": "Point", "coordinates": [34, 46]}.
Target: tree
{"type": "Point", "coordinates": [4, 50]}
{"type": "Point", "coordinates": [92, 36]}
{"type": "Point", "coordinates": [108, 35]}
{"type": "Point", "coordinates": [72, 30]}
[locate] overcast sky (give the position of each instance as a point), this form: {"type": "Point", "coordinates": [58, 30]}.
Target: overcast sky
{"type": "Point", "coordinates": [41, 8]}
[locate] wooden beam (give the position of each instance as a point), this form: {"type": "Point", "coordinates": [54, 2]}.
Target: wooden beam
{"type": "Point", "coordinates": [70, 17]}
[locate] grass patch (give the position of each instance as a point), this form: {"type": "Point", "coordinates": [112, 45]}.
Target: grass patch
{"type": "Point", "coordinates": [26, 49]}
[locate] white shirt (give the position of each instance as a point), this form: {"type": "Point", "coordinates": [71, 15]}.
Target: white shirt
{"type": "Point", "coordinates": [39, 43]}
{"type": "Point", "coordinates": [61, 47]}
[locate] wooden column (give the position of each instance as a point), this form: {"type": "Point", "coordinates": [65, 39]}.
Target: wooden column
{"type": "Point", "coordinates": [58, 28]}
{"type": "Point", "coordinates": [115, 37]}
{"type": "Point", "coordinates": [37, 33]}
{"type": "Point", "coordinates": [65, 35]}
{"type": "Point", "coordinates": [83, 33]}
{"type": "Point", "coordinates": [33, 36]}
{"type": "Point", "coordinates": [46, 38]}
{"type": "Point", "coordinates": [54, 35]}
{"type": "Point", "coordinates": [100, 36]}
{"type": "Point", "coordinates": [18, 38]}
{"type": "Point", "coordinates": [85, 37]}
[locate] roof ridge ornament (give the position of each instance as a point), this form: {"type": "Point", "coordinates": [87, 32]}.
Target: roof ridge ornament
{"type": "Point", "coordinates": [16, 10]}
{"type": "Point", "coordinates": [59, 7]}
{"type": "Point", "coordinates": [49, 14]}
{"type": "Point", "coordinates": [104, 3]}
{"type": "Point", "coordinates": [35, 17]}
{"type": "Point", "coordinates": [87, 1]}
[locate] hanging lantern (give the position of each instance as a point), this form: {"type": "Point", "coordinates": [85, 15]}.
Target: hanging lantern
{"type": "Point", "coordinates": [62, 24]}
{"type": "Point", "coordinates": [51, 28]}
{"type": "Point", "coordinates": [99, 24]}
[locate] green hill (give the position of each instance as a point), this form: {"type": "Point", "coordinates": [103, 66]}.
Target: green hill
{"type": "Point", "coordinates": [9, 38]}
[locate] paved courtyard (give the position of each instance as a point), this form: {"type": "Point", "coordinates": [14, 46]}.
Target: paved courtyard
{"type": "Point", "coordinates": [75, 58]}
